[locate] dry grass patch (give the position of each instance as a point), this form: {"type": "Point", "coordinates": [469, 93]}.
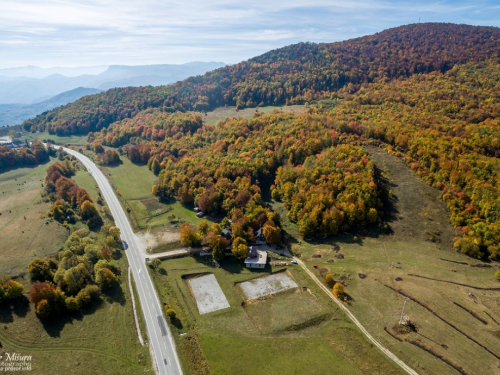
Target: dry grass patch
{"type": "Point", "coordinates": [25, 231]}
{"type": "Point", "coordinates": [287, 313]}
{"type": "Point", "coordinates": [222, 113]}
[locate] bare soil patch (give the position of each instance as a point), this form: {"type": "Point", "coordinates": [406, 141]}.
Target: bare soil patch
{"type": "Point", "coordinates": [208, 294]}
{"type": "Point", "coordinates": [160, 240]}
{"type": "Point", "coordinates": [264, 286]}
{"type": "Point", "coordinates": [150, 202]}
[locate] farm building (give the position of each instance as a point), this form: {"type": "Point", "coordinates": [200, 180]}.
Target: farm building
{"type": "Point", "coordinates": [255, 258]}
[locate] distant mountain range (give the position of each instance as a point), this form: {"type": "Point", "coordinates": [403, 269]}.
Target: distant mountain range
{"type": "Point", "coordinates": [15, 114]}
{"type": "Point", "coordinates": [28, 91]}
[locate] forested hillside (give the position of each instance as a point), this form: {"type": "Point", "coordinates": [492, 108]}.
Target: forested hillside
{"type": "Point", "coordinates": [294, 74]}
{"type": "Point", "coordinates": [427, 92]}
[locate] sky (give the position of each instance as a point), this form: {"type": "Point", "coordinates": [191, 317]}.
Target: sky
{"type": "Point", "coordinates": [68, 33]}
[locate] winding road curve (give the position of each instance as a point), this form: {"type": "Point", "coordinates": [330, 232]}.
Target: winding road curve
{"type": "Point", "coordinates": [384, 350]}
{"type": "Point", "coordinates": [162, 345]}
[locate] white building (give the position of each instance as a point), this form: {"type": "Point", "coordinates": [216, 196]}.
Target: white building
{"type": "Point", "coordinates": [255, 258]}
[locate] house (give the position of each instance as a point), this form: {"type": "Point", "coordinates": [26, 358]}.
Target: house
{"type": "Point", "coordinates": [255, 258]}
{"type": "Point", "coordinates": [226, 233]}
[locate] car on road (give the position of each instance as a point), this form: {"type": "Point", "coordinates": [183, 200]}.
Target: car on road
{"type": "Point", "coordinates": [294, 262]}
{"type": "Point", "coordinates": [147, 259]}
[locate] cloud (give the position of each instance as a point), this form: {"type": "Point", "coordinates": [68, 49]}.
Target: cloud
{"type": "Point", "coordinates": [76, 33]}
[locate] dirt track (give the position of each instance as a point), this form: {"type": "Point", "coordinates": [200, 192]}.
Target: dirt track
{"type": "Point", "coordinates": [384, 350]}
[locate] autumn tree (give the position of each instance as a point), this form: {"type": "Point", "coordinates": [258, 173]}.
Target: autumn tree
{"type": "Point", "coordinates": [76, 278]}
{"type": "Point", "coordinates": [155, 167]}
{"type": "Point", "coordinates": [72, 304]}
{"type": "Point", "coordinates": [109, 157]}
{"type": "Point", "coordinates": [10, 289]}
{"type": "Point", "coordinates": [271, 233]}
{"type": "Point", "coordinates": [338, 290]}
{"type": "Point", "coordinates": [97, 147]}
{"type": "Point", "coordinates": [89, 212]}
{"type": "Point", "coordinates": [239, 248]}
{"type": "Point", "coordinates": [48, 299]}
{"type": "Point", "coordinates": [40, 270]}
{"type": "Point", "coordinates": [189, 237]}
{"type": "Point", "coordinates": [329, 280]}
{"type": "Point", "coordinates": [170, 312]}
{"type": "Point", "coordinates": [105, 278]}
{"type": "Point", "coordinates": [217, 244]}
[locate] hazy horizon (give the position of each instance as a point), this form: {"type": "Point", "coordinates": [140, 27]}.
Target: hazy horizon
{"type": "Point", "coordinates": [52, 33]}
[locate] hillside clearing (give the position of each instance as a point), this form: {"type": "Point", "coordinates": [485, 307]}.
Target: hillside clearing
{"type": "Point", "coordinates": [392, 263]}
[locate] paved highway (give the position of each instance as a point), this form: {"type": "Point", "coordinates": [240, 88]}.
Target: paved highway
{"type": "Point", "coordinates": [162, 345]}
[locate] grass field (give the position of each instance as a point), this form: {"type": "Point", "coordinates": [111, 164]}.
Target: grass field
{"type": "Point", "coordinates": [76, 140]}
{"type": "Point", "coordinates": [25, 230]}
{"type": "Point", "coordinates": [222, 113]}
{"type": "Point", "coordinates": [102, 340]}
{"type": "Point", "coordinates": [149, 216]}
{"type": "Point", "coordinates": [87, 182]}
{"type": "Point", "coordinates": [420, 245]}
{"type": "Point", "coordinates": [292, 332]}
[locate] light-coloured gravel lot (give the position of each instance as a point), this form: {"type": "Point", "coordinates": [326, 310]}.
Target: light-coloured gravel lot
{"type": "Point", "coordinates": [264, 286]}
{"type": "Point", "coordinates": [209, 296]}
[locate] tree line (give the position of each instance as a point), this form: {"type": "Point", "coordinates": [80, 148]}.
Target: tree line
{"type": "Point", "coordinates": [298, 73]}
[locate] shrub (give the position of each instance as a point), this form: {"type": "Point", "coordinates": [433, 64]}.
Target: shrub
{"type": "Point", "coordinates": [171, 313]}
{"type": "Point", "coordinates": [329, 280]}
{"type": "Point", "coordinates": [338, 290]}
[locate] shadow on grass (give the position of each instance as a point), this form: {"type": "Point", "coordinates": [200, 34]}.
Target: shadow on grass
{"type": "Point", "coordinates": [232, 265]}
{"type": "Point", "coordinates": [388, 200]}
{"type": "Point", "coordinates": [8, 169]}
{"type": "Point", "coordinates": [166, 200]}
{"type": "Point", "coordinates": [176, 323]}
{"type": "Point", "coordinates": [55, 324]}
{"type": "Point", "coordinates": [114, 165]}
{"type": "Point", "coordinates": [162, 271]}
{"type": "Point", "coordinates": [117, 255]}
{"type": "Point", "coordinates": [19, 307]}
{"type": "Point", "coordinates": [115, 295]}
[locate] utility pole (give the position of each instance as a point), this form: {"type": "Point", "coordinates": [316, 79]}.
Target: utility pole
{"type": "Point", "coordinates": [402, 312]}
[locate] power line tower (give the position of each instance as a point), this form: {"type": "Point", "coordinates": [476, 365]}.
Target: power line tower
{"type": "Point", "coordinates": [402, 312]}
